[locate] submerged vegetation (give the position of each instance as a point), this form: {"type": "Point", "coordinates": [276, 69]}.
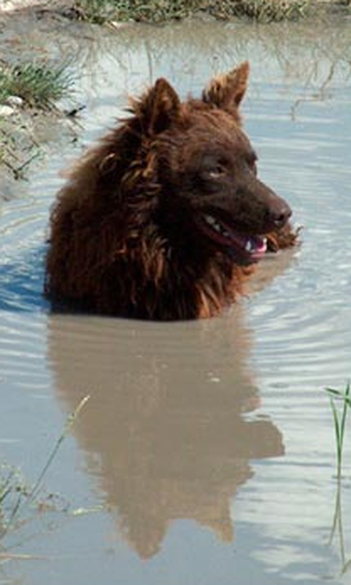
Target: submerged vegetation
{"type": "Point", "coordinates": [155, 11]}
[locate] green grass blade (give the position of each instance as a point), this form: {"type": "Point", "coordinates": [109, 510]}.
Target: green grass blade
{"type": "Point", "coordinates": [334, 392]}
{"type": "Point", "coordinates": [344, 413]}
{"type": "Point", "coordinates": [69, 422]}
{"type": "Point", "coordinates": [337, 435]}
{"type": "Point", "coordinates": [339, 419]}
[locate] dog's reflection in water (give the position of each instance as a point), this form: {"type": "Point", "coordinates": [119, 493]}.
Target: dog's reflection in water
{"type": "Point", "coordinates": [166, 428]}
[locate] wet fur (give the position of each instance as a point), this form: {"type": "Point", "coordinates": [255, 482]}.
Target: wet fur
{"type": "Point", "coordinates": [124, 234]}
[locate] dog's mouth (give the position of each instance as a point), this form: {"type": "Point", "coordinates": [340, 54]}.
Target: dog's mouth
{"type": "Point", "coordinates": [251, 247]}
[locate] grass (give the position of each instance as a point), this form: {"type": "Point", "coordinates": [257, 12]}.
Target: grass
{"type": "Point", "coordinates": [16, 496]}
{"type": "Point", "coordinates": [339, 418]}
{"type": "Point", "coordinates": [156, 11]}
{"type": "Point", "coordinates": [25, 87]}
{"type": "Point", "coordinates": [339, 411]}
{"type": "Point", "coordinates": [153, 11]}
{"type": "Point", "coordinates": [39, 86]}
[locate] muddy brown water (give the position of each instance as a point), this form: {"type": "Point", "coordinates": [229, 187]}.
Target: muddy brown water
{"type": "Point", "coordinates": [206, 452]}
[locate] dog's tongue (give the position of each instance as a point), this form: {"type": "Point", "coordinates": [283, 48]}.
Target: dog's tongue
{"type": "Point", "coordinates": [253, 245]}
{"type": "Point", "coordinates": [226, 235]}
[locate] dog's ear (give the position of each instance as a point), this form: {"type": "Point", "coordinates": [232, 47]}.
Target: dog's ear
{"type": "Point", "coordinates": [227, 91]}
{"type": "Point", "coordinates": [158, 108]}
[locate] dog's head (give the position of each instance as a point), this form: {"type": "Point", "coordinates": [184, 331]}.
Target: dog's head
{"type": "Point", "coordinates": [206, 169]}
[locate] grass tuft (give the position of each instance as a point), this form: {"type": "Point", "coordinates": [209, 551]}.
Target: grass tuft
{"type": "Point", "coordinates": [39, 86]}
{"type": "Point", "coordinates": [23, 87]}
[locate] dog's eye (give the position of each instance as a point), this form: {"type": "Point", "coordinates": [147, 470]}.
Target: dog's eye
{"type": "Point", "coordinates": [252, 162]}
{"type": "Point", "coordinates": [253, 167]}
{"type": "Point", "coordinates": [217, 171]}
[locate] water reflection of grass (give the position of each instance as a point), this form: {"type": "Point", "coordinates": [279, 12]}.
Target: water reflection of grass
{"type": "Point", "coordinates": [337, 528]}
{"type": "Point", "coordinates": [100, 11]}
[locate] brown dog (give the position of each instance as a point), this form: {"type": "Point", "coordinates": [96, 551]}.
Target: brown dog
{"type": "Point", "coordinates": [163, 219]}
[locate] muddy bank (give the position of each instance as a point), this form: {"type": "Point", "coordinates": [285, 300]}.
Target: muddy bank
{"type": "Point", "coordinates": [27, 36]}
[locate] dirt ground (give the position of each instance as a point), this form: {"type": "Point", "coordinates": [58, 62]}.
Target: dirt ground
{"type": "Point", "coordinates": [25, 136]}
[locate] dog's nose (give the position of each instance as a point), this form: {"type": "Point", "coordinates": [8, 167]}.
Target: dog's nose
{"type": "Point", "coordinates": [280, 216]}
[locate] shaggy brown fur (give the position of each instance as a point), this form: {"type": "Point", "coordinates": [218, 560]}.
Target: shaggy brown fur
{"type": "Point", "coordinates": [166, 216]}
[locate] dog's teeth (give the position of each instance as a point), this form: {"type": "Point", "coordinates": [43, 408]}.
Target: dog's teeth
{"type": "Point", "coordinates": [211, 220]}
{"type": "Point", "coordinates": [248, 246]}
{"type": "Point", "coordinates": [215, 225]}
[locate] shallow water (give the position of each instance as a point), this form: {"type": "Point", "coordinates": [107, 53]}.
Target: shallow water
{"type": "Point", "coordinates": [206, 452]}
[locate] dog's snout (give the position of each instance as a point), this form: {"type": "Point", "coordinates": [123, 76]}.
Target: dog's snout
{"type": "Point", "coordinates": [280, 215]}
{"type": "Point", "coordinates": [275, 211]}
